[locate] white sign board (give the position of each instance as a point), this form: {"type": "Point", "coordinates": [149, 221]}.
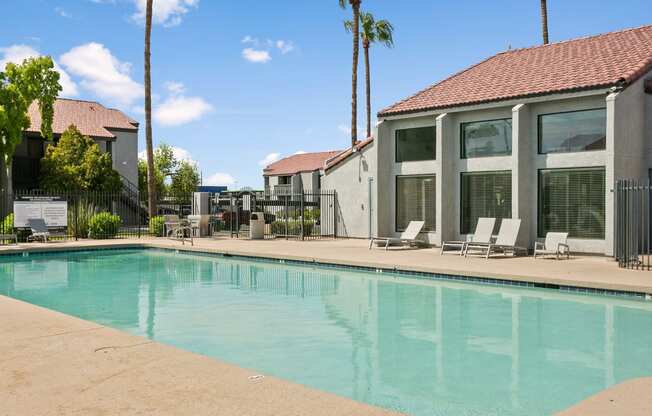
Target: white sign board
{"type": "Point", "coordinates": [54, 213]}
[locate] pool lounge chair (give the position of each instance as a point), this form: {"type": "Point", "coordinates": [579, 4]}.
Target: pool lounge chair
{"type": "Point", "coordinates": [408, 237]}
{"type": "Point", "coordinates": [40, 230]}
{"type": "Point", "coordinates": [505, 242]}
{"type": "Point", "coordinates": [9, 237]}
{"type": "Point", "coordinates": [483, 230]}
{"type": "Point", "coordinates": [555, 244]}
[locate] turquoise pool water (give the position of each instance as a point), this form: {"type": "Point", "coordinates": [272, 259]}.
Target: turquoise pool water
{"type": "Point", "coordinates": [421, 347]}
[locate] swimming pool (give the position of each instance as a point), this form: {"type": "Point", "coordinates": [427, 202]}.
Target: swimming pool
{"type": "Point", "coordinates": [418, 346]}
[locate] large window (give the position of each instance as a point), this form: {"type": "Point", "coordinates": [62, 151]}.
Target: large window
{"type": "Point", "coordinates": [573, 201]}
{"type": "Point", "coordinates": [485, 194]}
{"type": "Point", "coordinates": [415, 144]}
{"type": "Point", "coordinates": [415, 201]}
{"type": "Point", "coordinates": [486, 138]}
{"type": "Point", "coordinates": [576, 131]}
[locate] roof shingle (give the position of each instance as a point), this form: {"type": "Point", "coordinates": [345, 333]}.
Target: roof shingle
{"type": "Point", "coordinates": [580, 64]}
{"type": "Point", "coordinates": [91, 118]}
{"type": "Point", "coordinates": [303, 162]}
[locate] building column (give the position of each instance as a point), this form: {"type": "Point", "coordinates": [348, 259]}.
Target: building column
{"type": "Point", "coordinates": [524, 195]}
{"type": "Point", "coordinates": [445, 192]}
{"type": "Point", "coordinates": [610, 175]}
{"type": "Point", "coordinates": [382, 215]}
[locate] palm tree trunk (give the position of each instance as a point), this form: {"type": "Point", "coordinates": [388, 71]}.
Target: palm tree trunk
{"type": "Point", "coordinates": [544, 21]}
{"type": "Point", "coordinates": [151, 182]}
{"type": "Point", "coordinates": [367, 69]}
{"type": "Point", "coordinates": [355, 5]}
{"type": "Point", "coordinates": [7, 186]}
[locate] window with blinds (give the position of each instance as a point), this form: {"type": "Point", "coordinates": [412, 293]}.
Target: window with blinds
{"type": "Point", "coordinates": [573, 201]}
{"type": "Point", "coordinates": [415, 201]}
{"type": "Point", "coordinates": [485, 194]}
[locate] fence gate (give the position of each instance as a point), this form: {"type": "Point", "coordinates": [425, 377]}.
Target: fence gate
{"type": "Point", "coordinates": [632, 234]}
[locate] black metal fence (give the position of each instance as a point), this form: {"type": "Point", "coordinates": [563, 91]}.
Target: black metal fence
{"type": "Point", "coordinates": [632, 228]}
{"type": "Point", "coordinates": [302, 215]}
{"type": "Point", "coordinates": [97, 215]}
{"type": "Point", "coordinates": [124, 214]}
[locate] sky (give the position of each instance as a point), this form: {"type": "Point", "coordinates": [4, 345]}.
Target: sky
{"type": "Point", "coordinates": [239, 84]}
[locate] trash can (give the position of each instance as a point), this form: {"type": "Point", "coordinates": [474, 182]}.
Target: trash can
{"type": "Point", "coordinates": [257, 226]}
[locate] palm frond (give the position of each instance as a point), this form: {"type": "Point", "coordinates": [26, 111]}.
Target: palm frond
{"type": "Point", "coordinates": [348, 26]}
{"type": "Point", "coordinates": [384, 32]}
{"type": "Point", "coordinates": [343, 3]}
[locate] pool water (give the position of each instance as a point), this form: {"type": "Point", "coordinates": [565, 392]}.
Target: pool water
{"type": "Point", "coordinates": [418, 346]}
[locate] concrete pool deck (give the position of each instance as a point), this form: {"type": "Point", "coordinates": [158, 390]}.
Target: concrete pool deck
{"type": "Point", "coordinates": [57, 364]}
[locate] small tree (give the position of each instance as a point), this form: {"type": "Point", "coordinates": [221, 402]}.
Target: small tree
{"type": "Point", "coordinates": [77, 164]}
{"type": "Point", "coordinates": [20, 85]}
{"type": "Point", "coordinates": [184, 181]}
{"type": "Point", "coordinates": [165, 165]}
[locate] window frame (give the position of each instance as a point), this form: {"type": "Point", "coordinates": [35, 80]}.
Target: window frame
{"type": "Point", "coordinates": [480, 172]}
{"type": "Point", "coordinates": [462, 144]}
{"type": "Point", "coordinates": [540, 200]}
{"type": "Point", "coordinates": [420, 175]}
{"type": "Point", "coordinates": [434, 127]}
{"type": "Point", "coordinates": [540, 138]}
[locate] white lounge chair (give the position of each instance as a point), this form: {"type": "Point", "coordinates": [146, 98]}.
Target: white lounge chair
{"type": "Point", "coordinates": [505, 242]}
{"type": "Point", "coordinates": [408, 237]}
{"type": "Point", "coordinates": [483, 231]}
{"type": "Point", "coordinates": [555, 244]}
{"type": "Point", "coordinates": [40, 230]}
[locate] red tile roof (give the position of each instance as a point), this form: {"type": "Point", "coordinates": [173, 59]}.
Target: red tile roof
{"type": "Point", "coordinates": [91, 118]}
{"type": "Point", "coordinates": [303, 162]}
{"type": "Point", "coordinates": [587, 63]}
{"type": "Point", "coordinates": [331, 163]}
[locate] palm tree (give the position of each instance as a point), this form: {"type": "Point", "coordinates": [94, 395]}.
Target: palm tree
{"type": "Point", "coordinates": [151, 179]}
{"type": "Point", "coordinates": [372, 31]}
{"type": "Point", "coordinates": [355, 5]}
{"type": "Point", "coordinates": [544, 21]}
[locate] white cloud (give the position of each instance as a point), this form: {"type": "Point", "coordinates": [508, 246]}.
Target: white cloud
{"type": "Point", "coordinates": [256, 55]}
{"type": "Point", "coordinates": [177, 110]}
{"type": "Point", "coordinates": [269, 159]}
{"type": "Point", "coordinates": [165, 12]}
{"type": "Point", "coordinates": [179, 153]}
{"type": "Point", "coordinates": [175, 88]}
{"type": "Point", "coordinates": [219, 179]}
{"type": "Point", "coordinates": [285, 46]}
{"type": "Point", "coordinates": [18, 53]}
{"type": "Point", "coordinates": [61, 12]}
{"type": "Point", "coordinates": [102, 73]}
{"type": "Point", "coordinates": [300, 152]}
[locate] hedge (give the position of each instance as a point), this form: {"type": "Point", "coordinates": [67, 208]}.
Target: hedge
{"type": "Point", "coordinates": [103, 225]}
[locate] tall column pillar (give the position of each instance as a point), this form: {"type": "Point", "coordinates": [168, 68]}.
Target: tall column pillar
{"type": "Point", "coordinates": [524, 192]}
{"type": "Point", "coordinates": [445, 193]}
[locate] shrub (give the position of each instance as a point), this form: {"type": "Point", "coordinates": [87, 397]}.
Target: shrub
{"type": "Point", "coordinates": [79, 215]}
{"type": "Point", "coordinates": [103, 225]}
{"type": "Point", "coordinates": [156, 226]}
{"type": "Point", "coordinates": [293, 228]}
{"type": "Point", "coordinates": [7, 224]}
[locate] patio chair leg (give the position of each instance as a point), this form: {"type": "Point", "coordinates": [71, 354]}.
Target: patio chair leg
{"type": "Point", "coordinates": [387, 245]}
{"type": "Point", "coordinates": [371, 243]}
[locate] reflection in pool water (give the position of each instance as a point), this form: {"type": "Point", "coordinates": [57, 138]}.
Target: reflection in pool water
{"type": "Point", "coordinates": [421, 347]}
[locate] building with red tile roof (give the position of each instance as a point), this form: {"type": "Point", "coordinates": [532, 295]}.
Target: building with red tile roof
{"type": "Point", "coordinates": [300, 163]}
{"type": "Point", "coordinates": [112, 130]}
{"type": "Point", "coordinates": [608, 60]}
{"type": "Point", "coordinates": [539, 134]}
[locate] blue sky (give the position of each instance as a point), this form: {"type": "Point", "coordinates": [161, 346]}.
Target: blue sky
{"type": "Point", "coordinates": [240, 82]}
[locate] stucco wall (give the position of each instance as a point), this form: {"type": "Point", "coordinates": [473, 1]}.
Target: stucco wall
{"type": "Point", "coordinates": [354, 182]}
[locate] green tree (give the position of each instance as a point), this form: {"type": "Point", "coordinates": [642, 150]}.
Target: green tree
{"type": "Point", "coordinates": [544, 21]}
{"type": "Point", "coordinates": [20, 85]}
{"type": "Point", "coordinates": [151, 180]}
{"type": "Point", "coordinates": [76, 163]}
{"type": "Point", "coordinates": [166, 167]}
{"type": "Point", "coordinates": [184, 181]}
{"type": "Point", "coordinates": [372, 32]}
{"type": "Point", "coordinates": [355, 29]}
